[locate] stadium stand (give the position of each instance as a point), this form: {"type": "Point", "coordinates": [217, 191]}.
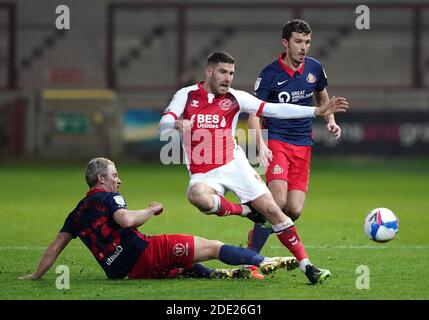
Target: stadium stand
{"type": "Point", "coordinates": [145, 50]}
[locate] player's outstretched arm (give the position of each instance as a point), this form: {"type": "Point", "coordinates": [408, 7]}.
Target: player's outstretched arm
{"type": "Point", "coordinates": [335, 104]}
{"type": "Point", "coordinates": [253, 105]}
{"type": "Point", "coordinates": [135, 218]}
{"type": "Point", "coordinates": [50, 255]}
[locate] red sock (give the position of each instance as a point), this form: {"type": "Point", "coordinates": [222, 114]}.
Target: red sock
{"type": "Point", "coordinates": [290, 239]}
{"type": "Point", "coordinates": [227, 208]}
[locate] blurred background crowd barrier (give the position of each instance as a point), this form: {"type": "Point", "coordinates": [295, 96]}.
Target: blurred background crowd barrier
{"type": "Point", "coordinates": [99, 87]}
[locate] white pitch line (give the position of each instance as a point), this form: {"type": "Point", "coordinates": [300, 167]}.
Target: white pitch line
{"type": "Point", "coordinates": [28, 248]}
{"type": "Point", "coordinates": [380, 246]}
{"type": "Point", "coordinates": [352, 246]}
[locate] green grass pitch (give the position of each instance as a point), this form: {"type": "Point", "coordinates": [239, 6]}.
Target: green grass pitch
{"type": "Point", "coordinates": [36, 199]}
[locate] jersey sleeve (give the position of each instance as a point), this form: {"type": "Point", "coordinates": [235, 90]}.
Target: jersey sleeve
{"type": "Point", "coordinates": [263, 85]}
{"type": "Point", "coordinates": [114, 202]}
{"type": "Point", "coordinates": [247, 102]}
{"type": "Point", "coordinates": [68, 226]}
{"type": "Point", "coordinates": [253, 105]}
{"type": "Point", "coordinates": [174, 110]}
{"type": "Point", "coordinates": [177, 104]}
{"type": "Point", "coordinates": [285, 111]}
{"type": "Point", "coordinates": [322, 83]}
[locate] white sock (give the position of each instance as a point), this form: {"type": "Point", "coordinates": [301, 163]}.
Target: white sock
{"type": "Point", "coordinates": [246, 210]}
{"type": "Point", "coordinates": [282, 226]}
{"type": "Point", "coordinates": [303, 263]}
{"type": "Point", "coordinates": [216, 201]}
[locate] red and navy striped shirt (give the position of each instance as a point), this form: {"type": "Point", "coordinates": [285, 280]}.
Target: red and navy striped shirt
{"type": "Point", "coordinates": [115, 248]}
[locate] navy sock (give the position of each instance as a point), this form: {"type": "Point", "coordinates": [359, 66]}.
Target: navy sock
{"type": "Point", "coordinates": [236, 256]}
{"type": "Point", "coordinates": [260, 235]}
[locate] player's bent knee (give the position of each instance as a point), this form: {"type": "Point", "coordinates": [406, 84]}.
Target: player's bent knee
{"type": "Point", "coordinates": [273, 213]}
{"type": "Point", "coordinates": [294, 215]}
{"type": "Point", "coordinates": [193, 195]}
{"type": "Point", "coordinates": [199, 199]}
{"type": "Point", "coordinates": [278, 189]}
{"type": "Point", "coordinates": [266, 205]}
{"type": "Point", "coordinates": [281, 203]}
{"type": "Point", "coordinates": [295, 212]}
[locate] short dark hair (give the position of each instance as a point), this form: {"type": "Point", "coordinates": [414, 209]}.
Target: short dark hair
{"type": "Point", "coordinates": [295, 25]}
{"type": "Point", "coordinates": [220, 57]}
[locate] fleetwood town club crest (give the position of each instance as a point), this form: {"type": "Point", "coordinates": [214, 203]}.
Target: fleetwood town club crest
{"type": "Point", "coordinates": [311, 78]}
{"type": "Point", "coordinates": [277, 169]}
{"type": "Point", "coordinates": [225, 104]}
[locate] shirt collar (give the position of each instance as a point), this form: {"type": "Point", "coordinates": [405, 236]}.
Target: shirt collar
{"type": "Point", "coordinates": [201, 87]}
{"type": "Point", "coordinates": [94, 191]}
{"type": "Point", "coordinates": [205, 93]}
{"type": "Point", "coordinates": [289, 70]}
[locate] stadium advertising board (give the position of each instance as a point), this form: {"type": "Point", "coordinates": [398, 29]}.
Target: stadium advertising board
{"type": "Point", "coordinates": [376, 133]}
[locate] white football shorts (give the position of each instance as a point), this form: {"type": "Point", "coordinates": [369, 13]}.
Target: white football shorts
{"type": "Point", "coordinates": [237, 176]}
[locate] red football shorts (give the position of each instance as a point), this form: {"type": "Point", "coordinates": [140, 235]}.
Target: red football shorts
{"type": "Point", "coordinates": [290, 163]}
{"type": "Point", "coordinates": [163, 254]}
